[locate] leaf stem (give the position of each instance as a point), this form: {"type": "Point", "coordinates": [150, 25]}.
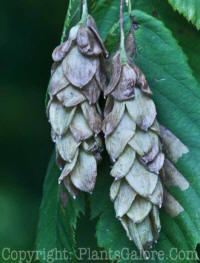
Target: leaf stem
{"type": "Point", "coordinates": [133, 26]}
{"type": "Point", "coordinates": [84, 12]}
{"type": "Point", "coordinates": [122, 34]}
{"type": "Point", "coordinates": [129, 4]}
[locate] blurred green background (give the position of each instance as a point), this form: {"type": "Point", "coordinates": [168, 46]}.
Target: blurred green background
{"type": "Point", "coordinates": [29, 32]}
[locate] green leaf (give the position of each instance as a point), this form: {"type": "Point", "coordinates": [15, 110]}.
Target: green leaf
{"type": "Point", "coordinates": [106, 13]}
{"type": "Point", "coordinates": [72, 17]}
{"type": "Point", "coordinates": [189, 8]}
{"type": "Point", "coordinates": [186, 34]}
{"type": "Point", "coordinates": [177, 97]}
{"type": "Point", "coordinates": [57, 224]}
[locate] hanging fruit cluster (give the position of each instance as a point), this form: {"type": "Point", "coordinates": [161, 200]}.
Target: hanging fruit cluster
{"type": "Point", "coordinates": [133, 138]}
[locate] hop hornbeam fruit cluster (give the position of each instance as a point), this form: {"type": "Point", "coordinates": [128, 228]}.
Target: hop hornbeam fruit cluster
{"type": "Point", "coordinates": [73, 111]}
{"type": "Point", "coordinates": [134, 139]}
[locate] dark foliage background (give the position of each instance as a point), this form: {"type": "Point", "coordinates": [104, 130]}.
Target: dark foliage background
{"type": "Point", "coordinates": [29, 32]}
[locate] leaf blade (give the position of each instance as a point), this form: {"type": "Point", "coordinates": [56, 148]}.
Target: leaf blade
{"type": "Point", "coordinates": [190, 10]}
{"type": "Point", "coordinates": [185, 33]}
